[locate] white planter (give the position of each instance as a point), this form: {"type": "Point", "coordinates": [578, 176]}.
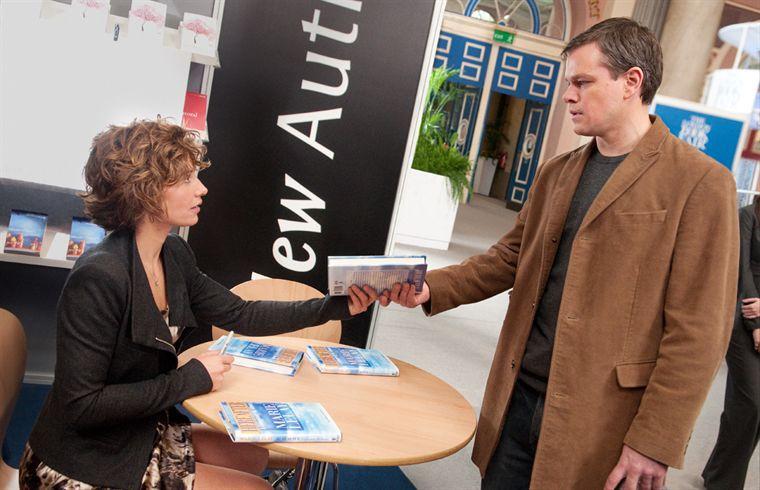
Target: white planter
{"type": "Point", "coordinates": [427, 212]}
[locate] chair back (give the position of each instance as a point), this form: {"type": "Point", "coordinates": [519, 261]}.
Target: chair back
{"type": "Point", "coordinates": [285, 290]}
{"type": "Point", "coordinates": [12, 367]}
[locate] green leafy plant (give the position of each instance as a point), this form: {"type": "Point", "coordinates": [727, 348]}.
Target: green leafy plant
{"type": "Point", "coordinates": [436, 150]}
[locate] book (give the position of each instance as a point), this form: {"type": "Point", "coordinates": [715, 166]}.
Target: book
{"type": "Point", "coordinates": [194, 113]}
{"type": "Point", "coordinates": [377, 271]}
{"type": "Point", "coordinates": [278, 422]}
{"type": "Point", "coordinates": [257, 355]}
{"type": "Point", "coordinates": [350, 360]}
{"type": "Point", "coordinates": [25, 233]}
{"type": "Point", "coordinates": [84, 235]}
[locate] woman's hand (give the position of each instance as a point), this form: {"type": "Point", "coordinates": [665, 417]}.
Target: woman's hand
{"type": "Point", "coordinates": [216, 365]}
{"type": "Point", "coordinates": [359, 299]}
{"type": "Point", "coordinates": [756, 339]}
{"type": "Point", "coordinates": [751, 308]}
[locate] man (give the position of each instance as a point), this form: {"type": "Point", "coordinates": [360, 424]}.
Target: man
{"type": "Point", "coordinates": [623, 264]}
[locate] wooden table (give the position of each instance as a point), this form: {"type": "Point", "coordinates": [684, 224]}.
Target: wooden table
{"type": "Point", "coordinates": [385, 421]}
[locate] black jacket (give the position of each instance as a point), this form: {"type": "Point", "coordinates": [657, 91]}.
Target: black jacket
{"type": "Point", "coordinates": [116, 370]}
{"type": "Point", "coordinates": [749, 263]}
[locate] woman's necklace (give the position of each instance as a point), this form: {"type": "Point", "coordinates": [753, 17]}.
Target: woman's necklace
{"type": "Point", "coordinates": [155, 277]}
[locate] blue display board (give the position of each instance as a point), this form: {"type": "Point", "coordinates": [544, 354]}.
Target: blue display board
{"type": "Point", "coordinates": [716, 133]}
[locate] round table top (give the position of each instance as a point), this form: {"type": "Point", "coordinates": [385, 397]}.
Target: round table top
{"type": "Point", "coordinates": [384, 421]}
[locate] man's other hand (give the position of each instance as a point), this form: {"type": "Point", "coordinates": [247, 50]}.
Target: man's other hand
{"type": "Point", "coordinates": [639, 472]}
{"type": "Point", "coordinates": [751, 308]}
{"type": "Point", "coordinates": [405, 295]}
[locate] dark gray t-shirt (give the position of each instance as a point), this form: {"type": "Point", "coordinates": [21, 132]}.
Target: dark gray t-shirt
{"type": "Point", "coordinates": [538, 354]}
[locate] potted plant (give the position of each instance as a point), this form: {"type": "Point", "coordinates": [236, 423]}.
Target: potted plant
{"type": "Point", "coordinates": [436, 150]}
{"type": "Point", "coordinates": [438, 179]}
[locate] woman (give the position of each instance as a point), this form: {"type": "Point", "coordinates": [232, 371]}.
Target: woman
{"type": "Point", "coordinates": [124, 313]}
{"type": "Point", "coordinates": [740, 422]}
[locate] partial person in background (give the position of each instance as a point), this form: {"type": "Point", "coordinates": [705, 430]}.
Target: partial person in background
{"type": "Point", "coordinates": [740, 422]}
{"type": "Point", "coordinates": [126, 310]}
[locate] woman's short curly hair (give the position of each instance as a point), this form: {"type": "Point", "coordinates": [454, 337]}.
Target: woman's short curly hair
{"type": "Point", "coordinates": [129, 167]}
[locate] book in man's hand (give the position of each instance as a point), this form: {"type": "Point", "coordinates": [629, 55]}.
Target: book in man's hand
{"type": "Point", "coordinates": [350, 360]}
{"type": "Point", "coordinates": [257, 355]}
{"type": "Point", "coordinates": [278, 422]}
{"type": "Point", "coordinates": [380, 272]}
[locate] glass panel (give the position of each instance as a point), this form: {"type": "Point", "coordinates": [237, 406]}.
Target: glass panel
{"type": "Point", "coordinates": [517, 14]}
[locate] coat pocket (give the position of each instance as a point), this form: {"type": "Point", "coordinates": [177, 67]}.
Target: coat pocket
{"type": "Point", "coordinates": [624, 218]}
{"type": "Point", "coordinates": [634, 374]}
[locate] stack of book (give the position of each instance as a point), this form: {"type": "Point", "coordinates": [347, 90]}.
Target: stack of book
{"type": "Point", "coordinates": [278, 422]}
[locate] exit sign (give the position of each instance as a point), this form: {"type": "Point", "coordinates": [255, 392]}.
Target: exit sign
{"type": "Point", "coordinates": [503, 36]}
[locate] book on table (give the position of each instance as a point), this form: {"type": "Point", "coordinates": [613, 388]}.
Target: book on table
{"type": "Point", "coordinates": [278, 422]}
{"type": "Point", "coordinates": [380, 272]}
{"type": "Point", "coordinates": [258, 355]}
{"type": "Point", "coordinates": [350, 360]}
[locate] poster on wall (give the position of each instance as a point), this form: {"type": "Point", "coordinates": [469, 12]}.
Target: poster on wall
{"type": "Point", "coordinates": [313, 116]}
{"type": "Point", "coordinates": [717, 133]}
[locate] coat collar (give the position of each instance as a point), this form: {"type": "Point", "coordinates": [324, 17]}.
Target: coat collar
{"type": "Point", "coordinates": [148, 327]}
{"type": "Point", "coordinates": [636, 163]}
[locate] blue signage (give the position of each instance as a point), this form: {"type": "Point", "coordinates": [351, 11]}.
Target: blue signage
{"type": "Point", "coordinates": [718, 137]}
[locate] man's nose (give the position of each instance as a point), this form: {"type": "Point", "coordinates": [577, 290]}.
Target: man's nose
{"type": "Point", "coordinates": [570, 95]}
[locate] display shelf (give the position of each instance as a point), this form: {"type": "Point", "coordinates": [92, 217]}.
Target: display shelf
{"type": "Point", "coordinates": [32, 260]}
{"type": "Point", "coordinates": [52, 9]}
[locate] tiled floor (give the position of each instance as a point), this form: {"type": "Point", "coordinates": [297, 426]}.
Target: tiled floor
{"type": "Point", "coordinates": [459, 346]}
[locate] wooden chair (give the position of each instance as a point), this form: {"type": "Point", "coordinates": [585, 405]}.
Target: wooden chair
{"type": "Point", "coordinates": [12, 366]}
{"type": "Point", "coordinates": [284, 290]}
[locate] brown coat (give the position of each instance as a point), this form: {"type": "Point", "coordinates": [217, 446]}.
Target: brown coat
{"type": "Point", "coordinates": [646, 310]}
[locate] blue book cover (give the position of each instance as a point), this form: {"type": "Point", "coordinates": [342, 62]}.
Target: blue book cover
{"type": "Point", "coordinates": [265, 357]}
{"type": "Point", "coordinates": [84, 235]}
{"type": "Point", "coordinates": [25, 233]}
{"type": "Point", "coordinates": [278, 422]}
{"type": "Point", "coordinates": [350, 360]}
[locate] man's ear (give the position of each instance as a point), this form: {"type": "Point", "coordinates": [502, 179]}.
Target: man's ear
{"type": "Point", "coordinates": [634, 81]}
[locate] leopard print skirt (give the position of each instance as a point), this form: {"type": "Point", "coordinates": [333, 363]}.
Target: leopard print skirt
{"type": "Point", "coordinates": [171, 466]}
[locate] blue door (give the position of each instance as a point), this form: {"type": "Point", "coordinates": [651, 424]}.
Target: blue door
{"type": "Point", "coordinates": [461, 117]}
{"type": "Point", "coordinates": [526, 157]}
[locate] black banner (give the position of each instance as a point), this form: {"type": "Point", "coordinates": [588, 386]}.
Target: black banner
{"type": "Point", "coordinates": [308, 120]}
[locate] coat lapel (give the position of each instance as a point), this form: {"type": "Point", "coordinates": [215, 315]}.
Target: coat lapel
{"type": "Point", "coordinates": [148, 327]}
{"type": "Point", "coordinates": [561, 196]}
{"type": "Point", "coordinates": [630, 169]}
{"type": "Point", "coordinates": [564, 191]}
{"type": "Point", "coordinates": [180, 313]}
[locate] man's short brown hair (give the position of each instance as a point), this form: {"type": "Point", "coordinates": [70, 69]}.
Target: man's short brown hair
{"type": "Point", "coordinates": [625, 44]}
{"type": "Point", "coordinates": [129, 167]}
